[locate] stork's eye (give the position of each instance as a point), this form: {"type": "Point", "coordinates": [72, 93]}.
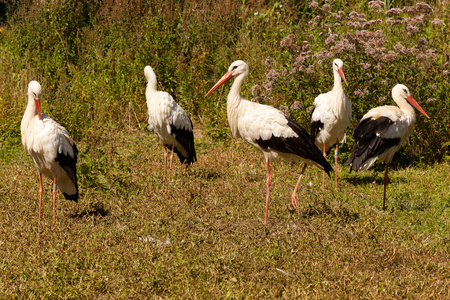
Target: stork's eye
{"type": "Point", "coordinates": [234, 68]}
{"type": "Point", "coordinates": [405, 91]}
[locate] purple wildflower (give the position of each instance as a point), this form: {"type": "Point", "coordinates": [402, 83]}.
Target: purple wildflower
{"type": "Point", "coordinates": [313, 4]}
{"type": "Point", "coordinates": [310, 69]}
{"type": "Point", "coordinates": [393, 12]}
{"type": "Point", "coordinates": [437, 22]}
{"type": "Point", "coordinates": [269, 61]}
{"type": "Point", "coordinates": [256, 90]}
{"type": "Point", "coordinates": [285, 110]}
{"type": "Point", "coordinates": [376, 4]}
{"type": "Point", "coordinates": [388, 56]}
{"type": "Point", "coordinates": [364, 65]}
{"type": "Point", "coordinates": [391, 21]}
{"type": "Point", "coordinates": [325, 8]}
{"type": "Point", "coordinates": [295, 105]}
{"type": "Point", "coordinates": [400, 48]}
{"type": "Point", "coordinates": [287, 41]}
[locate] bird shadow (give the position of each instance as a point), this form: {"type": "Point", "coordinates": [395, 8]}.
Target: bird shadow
{"type": "Point", "coordinates": [367, 178]}
{"type": "Point", "coordinates": [96, 209]}
{"type": "Point", "coordinates": [325, 208]}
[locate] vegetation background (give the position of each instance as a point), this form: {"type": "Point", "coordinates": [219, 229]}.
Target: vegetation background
{"type": "Point", "coordinates": [197, 236]}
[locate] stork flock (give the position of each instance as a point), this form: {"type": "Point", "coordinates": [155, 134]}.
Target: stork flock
{"type": "Point", "coordinates": [379, 134]}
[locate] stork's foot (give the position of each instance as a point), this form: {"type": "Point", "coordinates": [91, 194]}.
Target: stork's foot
{"type": "Point", "coordinates": [294, 199]}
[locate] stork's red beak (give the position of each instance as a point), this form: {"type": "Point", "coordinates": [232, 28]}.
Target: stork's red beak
{"type": "Point", "coordinates": [417, 106]}
{"type": "Point", "coordinates": [38, 107]}
{"type": "Point", "coordinates": [341, 72]}
{"type": "Point", "coordinates": [222, 80]}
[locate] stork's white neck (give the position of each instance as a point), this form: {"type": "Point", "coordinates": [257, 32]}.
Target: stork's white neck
{"type": "Point", "coordinates": [406, 108]}
{"type": "Point", "coordinates": [31, 109]}
{"type": "Point", "coordinates": [152, 84]}
{"type": "Point", "coordinates": [233, 100]}
{"type": "Point", "coordinates": [234, 96]}
{"type": "Point", "coordinates": [337, 82]}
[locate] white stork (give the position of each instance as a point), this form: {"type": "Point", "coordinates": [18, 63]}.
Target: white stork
{"type": "Point", "coordinates": [170, 122]}
{"type": "Point", "coordinates": [382, 131]}
{"type": "Point", "coordinates": [331, 117]}
{"type": "Point", "coordinates": [53, 151]}
{"type": "Point", "coordinates": [268, 130]}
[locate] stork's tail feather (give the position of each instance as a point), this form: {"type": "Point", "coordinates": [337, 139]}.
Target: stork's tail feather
{"type": "Point", "coordinates": [354, 163]}
{"type": "Point", "coordinates": [73, 197]}
{"type": "Point", "coordinates": [187, 160]}
{"type": "Point", "coordinates": [325, 165]}
{"type": "Point", "coordinates": [190, 159]}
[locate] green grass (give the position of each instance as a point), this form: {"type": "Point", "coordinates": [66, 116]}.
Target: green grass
{"type": "Point", "coordinates": [201, 235]}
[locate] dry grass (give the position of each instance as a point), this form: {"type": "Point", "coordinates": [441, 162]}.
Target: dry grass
{"type": "Point", "coordinates": [201, 234]}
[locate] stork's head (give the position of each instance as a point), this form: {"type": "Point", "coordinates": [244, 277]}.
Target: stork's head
{"type": "Point", "coordinates": [401, 91]}
{"type": "Point", "coordinates": [34, 90]}
{"type": "Point", "coordinates": [337, 67]}
{"type": "Point", "coordinates": [34, 94]}
{"type": "Point", "coordinates": [148, 72]}
{"type": "Point", "coordinates": [151, 77]}
{"type": "Point", "coordinates": [237, 68]}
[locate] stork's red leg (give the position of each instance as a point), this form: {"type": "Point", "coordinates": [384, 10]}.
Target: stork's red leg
{"type": "Point", "coordinates": [385, 184]}
{"type": "Point", "coordinates": [269, 179]}
{"type": "Point", "coordinates": [40, 196]}
{"type": "Point", "coordinates": [336, 164]}
{"type": "Point", "coordinates": [323, 175]}
{"type": "Point", "coordinates": [165, 162]}
{"type": "Point", "coordinates": [171, 158]}
{"type": "Point", "coordinates": [294, 196]}
{"type": "Point", "coordinates": [54, 201]}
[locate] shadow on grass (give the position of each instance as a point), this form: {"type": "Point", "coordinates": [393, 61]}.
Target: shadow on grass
{"type": "Point", "coordinates": [323, 208]}
{"type": "Point", "coordinates": [96, 209]}
{"type": "Point", "coordinates": [205, 174]}
{"type": "Point", "coordinates": [374, 177]}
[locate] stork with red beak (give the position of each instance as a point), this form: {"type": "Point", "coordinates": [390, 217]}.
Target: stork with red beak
{"type": "Point", "coordinates": [268, 130]}
{"type": "Point", "coordinates": [53, 151]}
{"type": "Point", "coordinates": [382, 131]}
{"type": "Point", "coordinates": [331, 117]}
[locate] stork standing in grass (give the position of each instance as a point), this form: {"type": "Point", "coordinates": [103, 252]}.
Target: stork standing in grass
{"type": "Point", "coordinates": [331, 117]}
{"type": "Point", "coordinates": [170, 122]}
{"type": "Point", "coordinates": [382, 131]}
{"type": "Point", "coordinates": [53, 151]}
{"type": "Point", "coordinates": [268, 130]}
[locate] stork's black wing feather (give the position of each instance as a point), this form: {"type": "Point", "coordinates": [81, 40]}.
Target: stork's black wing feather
{"type": "Point", "coordinates": [69, 164]}
{"type": "Point", "coordinates": [186, 139]}
{"type": "Point", "coordinates": [316, 126]}
{"type": "Point", "coordinates": [303, 145]}
{"type": "Point", "coordinates": [368, 141]}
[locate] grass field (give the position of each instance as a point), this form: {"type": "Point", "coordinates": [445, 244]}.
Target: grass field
{"type": "Point", "coordinates": [201, 235]}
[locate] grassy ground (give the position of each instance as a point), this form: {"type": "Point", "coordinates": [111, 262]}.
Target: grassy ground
{"type": "Point", "coordinates": [201, 235]}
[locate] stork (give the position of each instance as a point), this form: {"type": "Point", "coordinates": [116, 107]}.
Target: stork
{"type": "Point", "coordinates": [382, 131]}
{"type": "Point", "coordinates": [53, 151]}
{"type": "Point", "coordinates": [331, 117]}
{"type": "Point", "coordinates": [170, 122]}
{"type": "Point", "coordinates": [269, 130]}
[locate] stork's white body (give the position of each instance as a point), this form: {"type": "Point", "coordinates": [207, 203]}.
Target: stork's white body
{"type": "Point", "coordinates": [253, 121]}
{"type": "Point", "coordinates": [382, 131]}
{"type": "Point", "coordinates": [169, 121]}
{"type": "Point", "coordinates": [50, 146]}
{"type": "Point", "coordinates": [402, 120]}
{"type": "Point", "coordinates": [332, 115]}
{"type": "Point", "coordinates": [268, 129]}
